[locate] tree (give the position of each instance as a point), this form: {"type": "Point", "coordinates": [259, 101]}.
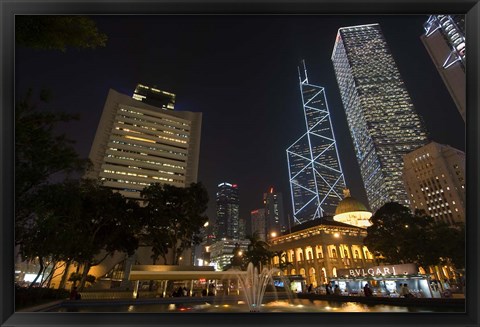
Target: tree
{"type": "Point", "coordinates": [283, 262]}
{"type": "Point", "coordinates": [82, 221]}
{"type": "Point", "coordinates": [399, 236]}
{"type": "Point", "coordinates": [173, 218]}
{"type": "Point", "coordinates": [40, 153]}
{"type": "Point", "coordinates": [106, 223]}
{"type": "Point", "coordinates": [450, 244]}
{"type": "Point", "coordinates": [47, 236]}
{"type": "Point", "coordinates": [237, 260]}
{"type": "Point", "coordinates": [258, 252]}
{"type": "Point", "coordinates": [57, 32]}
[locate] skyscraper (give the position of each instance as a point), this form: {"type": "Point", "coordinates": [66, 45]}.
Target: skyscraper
{"type": "Point", "coordinates": [444, 40]}
{"type": "Point", "coordinates": [259, 223]}
{"type": "Point", "coordinates": [383, 123]}
{"type": "Point", "coordinates": [315, 175]}
{"type": "Point", "coordinates": [434, 177]}
{"type": "Point", "coordinates": [228, 214]}
{"type": "Point", "coordinates": [274, 215]}
{"type": "Point", "coordinates": [137, 144]}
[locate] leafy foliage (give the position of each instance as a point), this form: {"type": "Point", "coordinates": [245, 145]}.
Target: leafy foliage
{"type": "Point", "coordinates": [258, 252]}
{"type": "Point", "coordinates": [81, 221]}
{"type": "Point", "coordinates": [57, 32]}
{"type": "Point", "coordinates": [173, 218]}
{"type": "Point", "coordinates": [76, 277]}
{"type": "Point", "coordinates": [399, 236]}
{"type": "Point", "coordinates": [39, 152]}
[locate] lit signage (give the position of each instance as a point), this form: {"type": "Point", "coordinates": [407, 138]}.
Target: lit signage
{"type": "Point", "coordinates": [403, 269]}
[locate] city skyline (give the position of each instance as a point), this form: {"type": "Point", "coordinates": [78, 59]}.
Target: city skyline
{"type": "Point", "coordinates": [245, 131]}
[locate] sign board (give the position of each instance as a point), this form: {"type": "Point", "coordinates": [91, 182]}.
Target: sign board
{"type": "Point", "coordinates": [403, 269]}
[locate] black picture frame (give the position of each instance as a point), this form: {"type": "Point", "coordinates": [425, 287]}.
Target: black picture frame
{"type": "Point", "coordinates": [9, 8]}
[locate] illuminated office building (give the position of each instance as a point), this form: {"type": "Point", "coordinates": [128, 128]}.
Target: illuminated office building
{"type": "Point", "coordinates": [383, 123]}
{"type": "Point", "coordinates": [227, 224]}
{"type": "Point", "coordinates": [137, 144]}
{"type": "Point", "coordinates": [315, 175]}
{"type": "Point", "coordinates": [258, 223]}
{"type": "Point", "coordinates": [434, 177]}
{"type": "Point", "coordinates": [444, 40]}
{"type": "Point", "coordinates": [274, 215]}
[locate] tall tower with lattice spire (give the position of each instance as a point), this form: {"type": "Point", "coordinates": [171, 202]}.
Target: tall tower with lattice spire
{"type": "Point", "coordinates": [315, 173]}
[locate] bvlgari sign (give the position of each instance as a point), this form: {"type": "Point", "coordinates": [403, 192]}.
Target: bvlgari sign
{"type": "Point", "coordinates": [403, 269]}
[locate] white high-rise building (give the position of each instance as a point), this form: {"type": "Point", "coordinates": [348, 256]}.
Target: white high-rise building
{"type": "Point", "coordinates": [434, 177]}
{"type": "Point", "coordinates": [137, 144]}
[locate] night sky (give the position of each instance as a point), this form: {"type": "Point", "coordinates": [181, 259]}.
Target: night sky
{"type": "Point", "coordinates": [241, 73]}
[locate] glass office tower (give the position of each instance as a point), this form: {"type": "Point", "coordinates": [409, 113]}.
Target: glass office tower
{"type": "Point", "coordinates": [316, 177]}
{"type": "Point", "coordinates": [382, 120]}
{"type": "Point", "coordinates": [274, 215]}
{"type": "Point", "coordinates": [228, 213]}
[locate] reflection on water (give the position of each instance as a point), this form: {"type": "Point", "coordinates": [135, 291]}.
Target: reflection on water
{"type": "Point", "coordinates": [295, 306]}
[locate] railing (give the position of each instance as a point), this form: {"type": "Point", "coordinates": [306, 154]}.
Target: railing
{"type": "Point", "coordinates": [100, 295]}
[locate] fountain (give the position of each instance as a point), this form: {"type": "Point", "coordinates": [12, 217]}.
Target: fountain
{"type": "Point", "coordinates": [254, 285]}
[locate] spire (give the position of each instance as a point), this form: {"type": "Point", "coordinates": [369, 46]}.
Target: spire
{"type": "Point", "coordinates": [346, 193]}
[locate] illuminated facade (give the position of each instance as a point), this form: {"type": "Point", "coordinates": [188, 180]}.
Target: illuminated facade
{"type": "Point", "coordinates": [352, 212]}
{"type": "Point", "coordinates": [315, 175]}
{"type": "Point", "coordinates": [434, 177]}
{"type": "Point", "coordinates": [137, 144]}
{"type": "Point", "coordinates": [221, 252]}
{"type": "Point", "coordinates": [227, 225]}
{"type": "Point", "coordinates": [444, 40]}
{"type": "Point", "coordinates": [274, 215]}
{"type": "Point", "coordinates": [319, 248]}
{"type": "Point", "coordinates": [383, 123]}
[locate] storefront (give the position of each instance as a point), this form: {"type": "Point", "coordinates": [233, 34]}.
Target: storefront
{"type": "Point", "coordinates": [296, 283]}
{"type": "Point", "coordinates": [384, 281]}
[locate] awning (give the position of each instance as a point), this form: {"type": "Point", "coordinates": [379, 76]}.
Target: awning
{"type": "Point", "coordinates": [183, 275]}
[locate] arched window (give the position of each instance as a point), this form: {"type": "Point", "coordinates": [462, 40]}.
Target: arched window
{"type": "Point", "coordinates": [334, 253]}
{"type": "Point", "coordinates": [357, 255]}
{"type": "Point", "coordinates": [309, 255]}
{"type": "Point", "coordinates": [319, 252]}
{"type": "Point", "coordinates": [293, 271]}
{"type": "Point", "coordinates": [324, 275]}
{"type": "Point", "coordinates": [312, 276]}
{"type": "Point", "coordinates": [334, 272]}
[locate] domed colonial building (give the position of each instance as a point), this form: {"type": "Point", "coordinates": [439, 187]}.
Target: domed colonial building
{"type": "Point", "coordinates": [352, 212]}
{"type": "Point", "coordinates": [318, 248]}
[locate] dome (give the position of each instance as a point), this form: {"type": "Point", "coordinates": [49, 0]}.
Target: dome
{"type": "Point", "coordinates": [349, 204]}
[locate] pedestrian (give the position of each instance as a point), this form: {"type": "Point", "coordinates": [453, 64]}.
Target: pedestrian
{"type": "Point", "coordinates": [328, 289]}
{"type": "Point", "coordinates": [406, 291]}
{"type": "Point", "coordinates": [367, 290]}
{"type": "Point", "coordinates": [402, 293]}
{"type": "Point", "coordinates": [310, 288]}
{"type": "Point", "coordinates": [73, 293]}
{"type": "Point", "coordinates": [337, 290]}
